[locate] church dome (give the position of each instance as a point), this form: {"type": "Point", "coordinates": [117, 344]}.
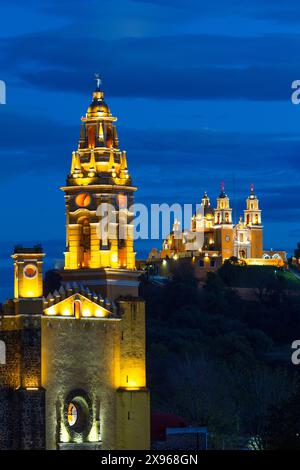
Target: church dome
{"type": "Point", "coordinates": [252, 195]}
{"type": "Point", "coordinates": [222, 194]}
{"type": "Point", "coordinates": [208, 210]}
{"type": "Point", "coordinates": [98, 107]}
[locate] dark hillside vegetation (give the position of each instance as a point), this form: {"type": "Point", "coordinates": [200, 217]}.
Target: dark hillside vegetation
{"type": "Point", "coordinates": [219, 360]}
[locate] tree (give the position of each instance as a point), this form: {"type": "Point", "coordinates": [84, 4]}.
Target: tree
{"type": "Point", "coordinates": [283, 425]}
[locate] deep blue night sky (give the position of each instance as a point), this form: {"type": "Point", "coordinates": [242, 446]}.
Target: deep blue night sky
{"type": "Point", "coordinates": [196, 85]}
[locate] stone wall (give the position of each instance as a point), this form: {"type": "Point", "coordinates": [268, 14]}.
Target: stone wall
{"type": "Point", "coordinates": [81, 354]}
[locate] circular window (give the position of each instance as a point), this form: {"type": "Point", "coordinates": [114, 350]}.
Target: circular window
{"type": "Point", "coordinates": [78, 413]}
{"type": "Point", "coordinates": [227, 238]}
{"type": "Point", "coordinates": [30, 271]}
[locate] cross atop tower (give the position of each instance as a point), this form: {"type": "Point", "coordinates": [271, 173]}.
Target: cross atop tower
{"type": "Point", "coordinates": [98, 80]}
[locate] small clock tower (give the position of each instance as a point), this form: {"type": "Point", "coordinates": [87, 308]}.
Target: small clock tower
{"type": "Point", "coordinates": [28, 272]}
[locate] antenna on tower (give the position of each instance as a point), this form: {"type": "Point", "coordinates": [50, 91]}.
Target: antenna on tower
{"type": "Point", "coordinates": [251, 187]}
{"type": "Point", "coordinates": [222, 186]}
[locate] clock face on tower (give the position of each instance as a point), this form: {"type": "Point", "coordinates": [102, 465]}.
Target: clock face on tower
{"type": "Point", "coordinates": [83, 200]}
{"type": "Point", "coordinates": [30, 271]}
{"type": "Point", "coordinates": [227, 238]}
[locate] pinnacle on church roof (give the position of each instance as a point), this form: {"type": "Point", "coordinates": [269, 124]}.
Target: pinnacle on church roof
{"type": "Point", "coordinates": [222, 193]}
{"type": "Point", "coordinates": [252, 194]}
{"type": "Point", "coordinates": [205, 200]}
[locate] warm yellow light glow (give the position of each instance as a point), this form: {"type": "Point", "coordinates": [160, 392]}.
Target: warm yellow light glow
{"type": "Point", "coordinates": [135, 377]}
{"type": "Point", "coordinates": [29, 294]}
{"type": "Point", "coordinates": [51, 311]}
{"type": "Point", "coordinates": [132, 384]}
{"type": "Point", "coordinates": [31, 383]}
{"type": "Point", "coordinates": [114, 258]}
{"type": "Point", "coordinates": [64, 435]}
{"type": "Point", "coordinates": [94, 434]}
{"type": "Point", "coordinates": [99, 313]}
{"type": "Point", "coordinates": [66, 312]}
{"type": "Point", "coordinates": [86, 312]}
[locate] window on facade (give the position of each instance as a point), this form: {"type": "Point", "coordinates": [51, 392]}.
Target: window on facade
{"type": "Point", "coordinates": [72, 414]}
{"type": "Point", "coordinates": [241, 237]}
{"type": "Point", "coordinates": [78, 414]}
{"type": "Point", "coordinates": [77, 307]}
{"type": "Point", "coordinates": [2, 353]}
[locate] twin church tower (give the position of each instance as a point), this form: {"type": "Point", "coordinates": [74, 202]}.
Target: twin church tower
{"type": "Point", "coordinates": [72, 365]}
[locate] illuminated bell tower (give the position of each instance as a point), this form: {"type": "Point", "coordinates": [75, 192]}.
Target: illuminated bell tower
{"type": "Point", "coordinates": [223, 225]}
{"type": "Point", "coordinates": [203, 221]}
{"type": "Point", "coordinates": [98, 195]}
{"type": "Point", "coordinates": [94, 351]}
{"type": "Point", "coordinates": [252, 219]}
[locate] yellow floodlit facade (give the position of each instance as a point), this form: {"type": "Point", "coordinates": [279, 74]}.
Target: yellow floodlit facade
{"type": "Point", "coordinates": [98, 175]}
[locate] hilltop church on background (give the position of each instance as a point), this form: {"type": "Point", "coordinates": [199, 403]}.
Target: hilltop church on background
{"type": "Point", "coordinates": [72, 365]}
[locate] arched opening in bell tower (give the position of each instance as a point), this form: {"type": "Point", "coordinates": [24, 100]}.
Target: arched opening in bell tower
{"type": "Point", "coordinates": [85, 242]}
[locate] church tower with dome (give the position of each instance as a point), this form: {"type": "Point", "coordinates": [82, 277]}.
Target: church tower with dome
{"type": "Point", "coordinates": [72, 363]}
{"type": "Point", "coordinates": [98, 196]}
{"type": "Point", "coordinates": [252, 219]}
{"type": "Point", "coordinates": [223, 225]}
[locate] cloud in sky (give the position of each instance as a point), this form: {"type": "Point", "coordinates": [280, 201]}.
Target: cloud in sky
{"type": "Point", "coordinates": [185, 66]}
